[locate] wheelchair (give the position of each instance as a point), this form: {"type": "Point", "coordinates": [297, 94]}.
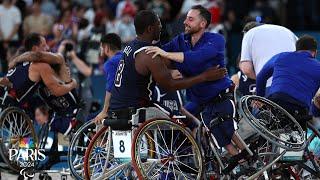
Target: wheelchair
{"type": "Point", "coordinates": [130, 139]}
{"type": "Point", "coordinates": [282, 149]}
{"type": "Point", "coordinates": [18, 136]}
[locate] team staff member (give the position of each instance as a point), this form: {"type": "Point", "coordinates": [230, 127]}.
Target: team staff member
{"type": "Point", "coordinates": [296, 78]}
{"type": "Point", "coordinates": [111, 48]}
{"type": "Point", "coordinates": [261, 42]}
{"type": "Point", "coordinates": [193, 52]}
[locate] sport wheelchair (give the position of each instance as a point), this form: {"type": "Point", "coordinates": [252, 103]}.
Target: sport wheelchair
{"type": "Point", "coordinates": [112, 149]}
{"type": "Point", "coordinates": [20, 143]}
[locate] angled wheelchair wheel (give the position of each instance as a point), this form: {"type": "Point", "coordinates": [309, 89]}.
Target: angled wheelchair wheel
{"type": "Point", "coordinates": [101, 160]}
{"type": "Point", "coordinates": [99, 155]}
{"type": "Point", "coordinates": [176, 153]}
{"type": "Point", "coordinates": [78, 146]}
{"type": "Point", "coordinates": [16, 135]}
{"type": "Point", "coordinates": [272, 122]}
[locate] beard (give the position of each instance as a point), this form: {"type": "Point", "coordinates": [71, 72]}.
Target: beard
{"type": "Point", "coordinates": [191, 30]}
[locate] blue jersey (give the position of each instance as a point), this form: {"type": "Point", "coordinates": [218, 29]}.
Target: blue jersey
{"type": "Point", "coordinates": [171, 100]}
{"type": "Point", "coordinates": [207, 52]}
{"type": "Point", "coordinates": [131, 89]}
{"type": "Point", "coordinates": [296, 74]}
{"type": "Point", "coordinates": [19, 76]}
{"type": "Point", "coordinates": [247, 86]}
{"type": "Point", "coordinates": [110, 68]}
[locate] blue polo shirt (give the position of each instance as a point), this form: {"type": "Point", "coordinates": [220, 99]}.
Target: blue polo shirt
{"type": "Point", "coordinates": [296, 74]}
{"type": "Point", "coordinates": [110, 68]}
{"type": "Point", "coordinates": [207, 52]}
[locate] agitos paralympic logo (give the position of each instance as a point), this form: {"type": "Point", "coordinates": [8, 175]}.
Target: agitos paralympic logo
{"type": "Point", "coordinates": [26, 156]}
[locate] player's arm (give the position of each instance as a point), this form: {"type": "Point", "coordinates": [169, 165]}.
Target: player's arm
{"type": "Point", "coordinates": [162, 74]}
{"type": "Point", "coordinates": [247, 69]}
{"type": "Point", "coordinates": [44, 57]}
{"type": "Point", "coordinates": [56, 86]}
{"type": "Point", "coordinates": [245, 64]}
{"type": "Point", "coordinates": [197, 57]}
{"type": "Point", "coordinates": [103, 114]}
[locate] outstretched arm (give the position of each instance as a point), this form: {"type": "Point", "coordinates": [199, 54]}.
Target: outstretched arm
{"type": "Point", "coordinates": [162, 74]}
{"type": "Point", "coordinates": [45, 57]}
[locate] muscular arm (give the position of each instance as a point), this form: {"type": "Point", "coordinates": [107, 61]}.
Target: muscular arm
{"type": "Point", "coordinates": [162, 74]}
{"type": "Point", "coordinates": [56, 86]}
{"type": "Point", "coordinates": [45, 57]}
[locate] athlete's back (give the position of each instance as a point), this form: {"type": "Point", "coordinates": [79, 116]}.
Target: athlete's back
{"type": "Point", "coordinates": [131, 89]}
{"type": "Point", "coordinates": [23, 86]}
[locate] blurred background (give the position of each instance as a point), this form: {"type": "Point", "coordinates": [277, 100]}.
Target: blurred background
{"type": "Point", "coordinates": [84, 21]}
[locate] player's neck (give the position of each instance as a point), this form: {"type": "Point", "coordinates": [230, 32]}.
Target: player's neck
{"type": "Point", "coordinates": [145, 38]}
{"type": "Point", "coordinates": [196, 36]}
{"type": "Point", "coordinates": [112, 53]}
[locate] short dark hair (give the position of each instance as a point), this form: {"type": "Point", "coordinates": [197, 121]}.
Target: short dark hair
{"type": "Point", "coordinates": [144, 19]}
{"type": "Point", "coordinates": [113, 40]}
{"type": "Point", "coordinates": [33, 39]}
{"type": "Point", "coordinates": [306, 42]}
{"type": "Point", "coordinates": [250, 25]}
{"type": "Point", "coordinates": [203, 13]}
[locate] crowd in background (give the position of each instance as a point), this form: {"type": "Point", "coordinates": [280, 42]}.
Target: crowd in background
{"type": "Point", "coordinates": [84, 21]}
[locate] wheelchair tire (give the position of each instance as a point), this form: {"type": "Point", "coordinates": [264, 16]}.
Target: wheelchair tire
{"type": "Point", "coordinates": [186, 156]}
{"type": "Point", "coordinates": [265, 117]}
{"type": "Point", "coordinates": [78, 146]}
{"type": "Point", "coordinates": [12, 135]}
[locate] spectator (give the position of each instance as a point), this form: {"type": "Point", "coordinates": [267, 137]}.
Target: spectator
{"type": "Point", "coordinates": [67, 25]}
{"type": "Point", "coordinates": [10, 20]}
{"type": "Point", "coordinates": [112, 24]}
{"type": "Point", "coordinates": [262, 9]}
{"type": "Point", "coordinates": [161, 8]}
{"type": "Point", "coordinates": [49, 8]}
{"type": "Point", "coordinates": [126, 29]}
{"type": "Point", "coordinates": [64, 5]}
{"type": "Point", "coordinates": [37, 22]}
{"type": "Point", "coordinates": [91, 47]}
{"type": "Point", "coordinates": [98, 6]}
{"type": "Point", "coordinates": [126, 7]}
{"type": "Point", "coordinates": [187, 4]}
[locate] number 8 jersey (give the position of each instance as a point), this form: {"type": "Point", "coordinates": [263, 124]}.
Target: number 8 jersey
{"type": "Point", "coordinates": [131, 89]}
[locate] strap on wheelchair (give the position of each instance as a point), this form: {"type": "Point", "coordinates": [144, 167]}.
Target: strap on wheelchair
{"type": "Point", "coordinates": [120, 119]}
{"type": "Point", "coordinates": [218, 120]}
{"type": "Point", "coordinates": [222, 96]}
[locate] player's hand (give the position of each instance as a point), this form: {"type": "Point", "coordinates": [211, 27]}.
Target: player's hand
{"type": "Point", "coordinates": [176, 74]}
{"type": "Point", "coordinates": [316, 101]}
{"type": "Point", "coordinates": [74, 83]}
{"type": "Point", "coordinates": [214, 73]}
{"type": "Point", "coordinates": [156, 50]}
{"type": "Point", "coordinates": [100, 117]}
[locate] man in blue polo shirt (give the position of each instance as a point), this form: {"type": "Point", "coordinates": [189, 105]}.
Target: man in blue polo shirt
{"type": "Point", "coordinates": [192, 53]}
{"type": "Point", "coordinates": [296, 78]}
{"type": "Point", "coordinates": [111, 48]}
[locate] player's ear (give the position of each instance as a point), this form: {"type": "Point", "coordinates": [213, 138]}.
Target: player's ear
{"type": "Point", "coordinates": [203, 24]}
{"type": "Point", "coordinates": [149, 29]}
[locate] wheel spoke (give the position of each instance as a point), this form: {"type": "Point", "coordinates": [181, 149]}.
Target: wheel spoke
{"type": "Point", "coordinates": [163, 139]}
